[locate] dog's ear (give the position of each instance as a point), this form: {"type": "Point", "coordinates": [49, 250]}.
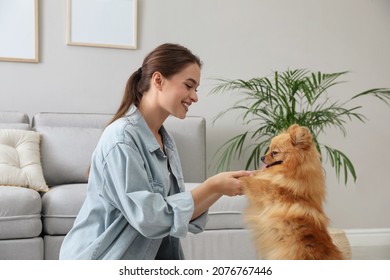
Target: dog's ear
{"type": "Point", "coordinates": [300, 136]}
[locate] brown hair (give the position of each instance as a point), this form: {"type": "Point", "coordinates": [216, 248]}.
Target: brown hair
{"type": "Point", "coordinates": [168, 59]}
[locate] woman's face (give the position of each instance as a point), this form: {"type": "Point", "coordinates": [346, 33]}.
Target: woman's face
{"type": "Point", "coordinates": [180, 91]}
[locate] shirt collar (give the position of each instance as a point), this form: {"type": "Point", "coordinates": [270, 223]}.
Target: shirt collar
{"type": "Point", "coordinates": [135, 117]}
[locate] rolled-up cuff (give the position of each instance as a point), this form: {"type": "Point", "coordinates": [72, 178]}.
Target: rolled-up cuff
{"type": "Point", "coordinates": [182, 204]}
{"type": "Point", "coordinates": [198, 225]}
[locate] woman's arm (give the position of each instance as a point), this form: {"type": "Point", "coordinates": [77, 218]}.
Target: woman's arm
{"type": "Point", "coordinates": [206, 194]}
{"type": "Point", "coordinates": [128, 189]}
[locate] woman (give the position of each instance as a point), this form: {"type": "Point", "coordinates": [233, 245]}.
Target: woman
{"type": "Point", "coordinates": [136, 206]}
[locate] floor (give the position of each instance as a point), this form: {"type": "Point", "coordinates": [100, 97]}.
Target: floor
{"type": "Point", "coordinates": [371, 253]}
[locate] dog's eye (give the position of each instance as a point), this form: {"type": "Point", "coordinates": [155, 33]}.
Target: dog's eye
{"type": "Point", "coordinates": [274, 153]}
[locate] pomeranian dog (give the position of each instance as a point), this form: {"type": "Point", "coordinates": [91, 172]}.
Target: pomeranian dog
{"type": "Point", "coordinates": [285, 201]}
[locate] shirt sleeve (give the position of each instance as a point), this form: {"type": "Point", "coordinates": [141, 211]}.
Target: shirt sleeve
{"type": "Point", "coordinates": [198, 225]}
{"type": "Point", "coordinates": [128, 188]}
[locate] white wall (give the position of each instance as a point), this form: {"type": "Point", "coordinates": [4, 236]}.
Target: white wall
{"type": "Point", "coordinates": [235, 39]}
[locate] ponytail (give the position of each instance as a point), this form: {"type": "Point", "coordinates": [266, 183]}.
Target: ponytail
{"type": "Point", "coordinates": [131, 96]}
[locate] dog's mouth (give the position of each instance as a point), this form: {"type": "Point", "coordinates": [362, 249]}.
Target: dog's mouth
{"type": "Point", "coordinates": [274, 163]}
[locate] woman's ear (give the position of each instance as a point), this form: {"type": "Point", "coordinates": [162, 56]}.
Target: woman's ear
{"type": "Point", "coordinates": [157, 80]}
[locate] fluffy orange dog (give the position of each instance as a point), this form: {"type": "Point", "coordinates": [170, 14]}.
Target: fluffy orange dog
{"type": "Point", "coordinates": [285, 210]}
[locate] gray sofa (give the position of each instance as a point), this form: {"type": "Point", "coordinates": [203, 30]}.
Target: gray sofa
{"type": "Point", "coordinates": [33, 224]}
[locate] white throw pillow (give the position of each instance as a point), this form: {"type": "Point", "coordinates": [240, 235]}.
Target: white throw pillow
{"type": "Point", "coordinates": [20, 160]}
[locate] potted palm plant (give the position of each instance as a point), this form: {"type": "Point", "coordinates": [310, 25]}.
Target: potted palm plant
{"type": "Point", "coordinates": [270, 105]}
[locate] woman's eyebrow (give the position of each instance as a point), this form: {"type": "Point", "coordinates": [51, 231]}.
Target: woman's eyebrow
{"type": "Point", "coordinates": [193, 81]}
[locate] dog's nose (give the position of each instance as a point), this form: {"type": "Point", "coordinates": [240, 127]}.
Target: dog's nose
{"type": "Point", "coordinates": [263, 159]}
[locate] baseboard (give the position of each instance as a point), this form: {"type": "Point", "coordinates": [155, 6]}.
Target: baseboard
{"type": "Point", "coordinates": [368, 237]}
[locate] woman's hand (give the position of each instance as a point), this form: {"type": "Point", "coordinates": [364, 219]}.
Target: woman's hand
{"type": "Point", "coordinates": [225, 183]}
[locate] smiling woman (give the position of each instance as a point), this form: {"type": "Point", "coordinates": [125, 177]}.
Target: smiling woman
{"type": "Point", "coordinates": [136, 206]}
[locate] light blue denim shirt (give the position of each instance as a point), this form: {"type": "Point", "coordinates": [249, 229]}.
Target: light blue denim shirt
{"type": "Point", "coordinates": [127, 211]}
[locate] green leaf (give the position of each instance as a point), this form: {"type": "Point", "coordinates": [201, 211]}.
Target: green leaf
{"type": "Point", "coordinates": [383, 94]}
{"type": "Point", "coordinates": [340, 160]}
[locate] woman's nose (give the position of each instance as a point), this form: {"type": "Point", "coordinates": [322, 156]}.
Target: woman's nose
{"type": "Point", "coordinates": [194, 97]}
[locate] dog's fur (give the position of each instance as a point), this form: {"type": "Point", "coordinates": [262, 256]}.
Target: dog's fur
{"type": "Point", "coordinates": [285, 211]}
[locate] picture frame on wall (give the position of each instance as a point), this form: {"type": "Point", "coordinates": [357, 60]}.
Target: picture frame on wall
{"type": "Point", "coordinates": [102, 23]}
{"type": "Point", "coordinates": [19, 41]}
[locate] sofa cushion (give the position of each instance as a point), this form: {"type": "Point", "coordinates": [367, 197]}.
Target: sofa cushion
{"type": "Point", "coordinates": [20, 213]}
{"type": "Point", "coordinates": [66, 153]}
{"type": "Point", "coordinates": [20, 126]}
{"type": "Point", "coordinates": [53, 246]}
{"type": "Point", "coordinates": [190, 138]}
{"type": "Point", "coordinates": [14, 117]}
{"type": "Point", "coordinates": [68, 140]}
{"type": "Point", "coordinates": [20, 162]}
{"type": "Point", "coordinates": [14, 120]}
{"type": "Point", "coordinates": [60, 207]}
{"type": "Point", "coordinates": [22, 249]}
{"type": "Point", "coordinates": [226, 213]}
